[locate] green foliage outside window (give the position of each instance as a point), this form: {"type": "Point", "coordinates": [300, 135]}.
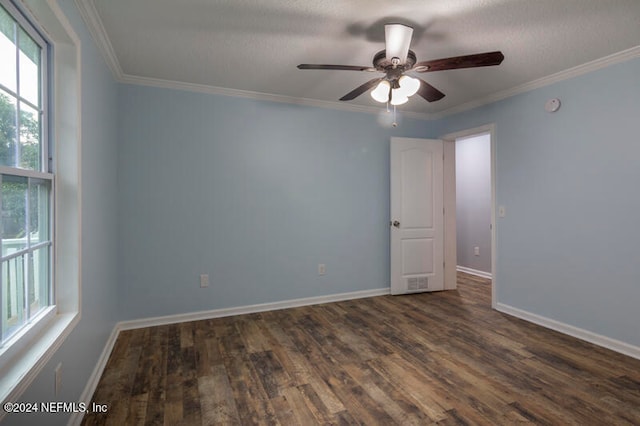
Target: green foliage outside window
{"type": "Point", "coordinates": [14, 193]}
{"type": "Point", "coordinates": [29, 137]}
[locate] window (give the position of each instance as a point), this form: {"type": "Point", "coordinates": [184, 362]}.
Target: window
{"type": "Point", "coordinates": [26, 181]}
{"type": "Point", "coordinates": [26, 350]}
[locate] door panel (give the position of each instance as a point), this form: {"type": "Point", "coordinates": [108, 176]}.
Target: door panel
{"type": "Point", "coordinates": [417, 256]}
{"type": "Point", "coordinates": [417, 189]}
{"type": "Point", "coordinates": [417, 231]}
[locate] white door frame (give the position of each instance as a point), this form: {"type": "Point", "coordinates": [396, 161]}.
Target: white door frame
{"type": "Point", "coordinates": [450, 202]}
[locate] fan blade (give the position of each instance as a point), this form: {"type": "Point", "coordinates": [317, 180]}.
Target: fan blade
{"type": "Point", "coordinates": [334, 67]}
{"type": "Point", "coordinates": [457, 62]}
{"type": "Point", "coordinates": [429, 92]}
{"type": "Point", "coordinates": [360, 89]}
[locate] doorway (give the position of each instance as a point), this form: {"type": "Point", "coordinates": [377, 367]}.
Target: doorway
{"type": "Point", "coordinates": [470, 202]}
{"type": "Point", "coordinates": [473, 205]}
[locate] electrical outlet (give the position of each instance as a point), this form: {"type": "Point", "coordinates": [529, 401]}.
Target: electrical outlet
{"type": "Point", "coordinates": [58, 379]}
{"type": "Point", "coordinates": [476, 251]}
{"type": "Point", "coordinates": [322, 269]}
{"type": "Point", "coordinates": [204, 280]}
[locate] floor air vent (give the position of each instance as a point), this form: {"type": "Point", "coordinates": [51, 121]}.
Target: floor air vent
{"type": "Point", "coordinates": [417, 283]}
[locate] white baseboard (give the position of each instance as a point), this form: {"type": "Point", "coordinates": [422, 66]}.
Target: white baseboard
{"type": "Point", "coordinates": [474, 272]}
{"type": "Point", "coordinates": [90, 388]}
{"type": "Point", "coordinates": [249, 309]}
{"type": "Point", "coordinates": [87, 394]}
{"type": "Point", "coordinates": [596, 339]}
{"type": "Point", "coordinates": [92, 384]}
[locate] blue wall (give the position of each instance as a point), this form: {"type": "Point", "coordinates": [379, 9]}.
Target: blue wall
{"type": "Point", "coordinates": [256, 194]}
{"type": "Point", "coordinates": [567, 248]}
{"type": "Point", "coordinates": [83, 347]}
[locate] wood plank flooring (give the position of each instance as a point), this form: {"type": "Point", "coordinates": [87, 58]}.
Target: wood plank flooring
{"type": "Point", "coordinates": [439, 358]}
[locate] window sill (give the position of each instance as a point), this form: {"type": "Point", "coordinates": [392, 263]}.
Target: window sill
{"type": "Point", "coordinates": [24, 366]}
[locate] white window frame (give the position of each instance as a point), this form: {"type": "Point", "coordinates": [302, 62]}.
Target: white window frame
{"type": "Point", "coordinates": [37, 345]}
{"type": "Point", "coordinates": [33, 323]}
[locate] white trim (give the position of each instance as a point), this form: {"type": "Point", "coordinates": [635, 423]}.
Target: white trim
{"type": "Point", "coordinates": [18, 344]}
{"type": "Point", "coordinates": [579, 70]}
{"type": "Point", "coordinates": [475, 131]}
{"type": "Point", "coordinates": [475, 272]}
{"type": "Point", "coordinates": [92, 383]}
{"type": "Point", "coordinates": [450, 217]}
{"type": "Point", "coordinates": [215, 90]}
{"type": "Point", "coordinates": [582, 334]}
{"type": "Point", "coordinates": [89, 389]}
{"type": "Point", "coordinates": [16, 378]}
{"type": "Point", "coordinates": [91, 17]}
{"type": "Point", "coordinates": [491, 130]}
{"type": "Point", "coordinates": [14, 171]}
{"type": "Point", "coordinates": [94, 379]}
{"type": "Point", "coordinates": [249, 309]}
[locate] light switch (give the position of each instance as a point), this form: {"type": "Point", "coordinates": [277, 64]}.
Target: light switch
{"type": "Point", "coordinates": [502, 211]}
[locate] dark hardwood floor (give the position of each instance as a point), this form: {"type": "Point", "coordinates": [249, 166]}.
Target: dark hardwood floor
{"type": "Point", "coordinates": [439, 358]}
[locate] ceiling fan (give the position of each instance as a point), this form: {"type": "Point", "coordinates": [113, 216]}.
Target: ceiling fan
{"type": "Point", "coordinates": [397, 60]}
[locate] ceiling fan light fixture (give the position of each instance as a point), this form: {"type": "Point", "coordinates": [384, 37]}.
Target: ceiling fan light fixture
{"type": "Point", "coordinates": [381, 92]}
{"type": "Point", "coordinates": [397, 40]}
{"type": "Point", "coordinates": [398, 98]}
{"type": "Point", "coordinates": [396, 60]}
{"type": "Point", "coordinates": [409, 86]}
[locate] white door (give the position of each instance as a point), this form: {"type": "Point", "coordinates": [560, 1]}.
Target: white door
{"type": "Point", "coordinates": [417, 218]}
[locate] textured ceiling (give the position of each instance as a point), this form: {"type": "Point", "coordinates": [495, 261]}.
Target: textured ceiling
{"type": "Point", "coordinates": [254, 46]}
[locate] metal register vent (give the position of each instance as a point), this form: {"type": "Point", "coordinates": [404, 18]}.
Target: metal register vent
{"type": "Point", "coordinates": [417, 283]}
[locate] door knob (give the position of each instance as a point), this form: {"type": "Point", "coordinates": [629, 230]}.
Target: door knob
{"type": "Point", "coordinates": [396, 224]}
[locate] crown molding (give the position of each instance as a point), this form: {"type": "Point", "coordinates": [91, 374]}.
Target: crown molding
{"type": "Point", "coordinates": [579, 70]}
{"type": "Point", "coordinates": [214, 90]}
{"type": "Point", "coordinates": [92, 19]}
{"type": "Point", "coordinates": [90, 16]}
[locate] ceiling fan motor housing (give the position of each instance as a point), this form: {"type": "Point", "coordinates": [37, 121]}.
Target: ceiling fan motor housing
{"type": "Point", "coordinates": [381, 63]}
{"type": "Point", "coordinates": [394, 71]}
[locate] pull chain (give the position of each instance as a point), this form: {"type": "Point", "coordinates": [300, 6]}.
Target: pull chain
{"type": "Point", "coordinates": [395, 123]}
